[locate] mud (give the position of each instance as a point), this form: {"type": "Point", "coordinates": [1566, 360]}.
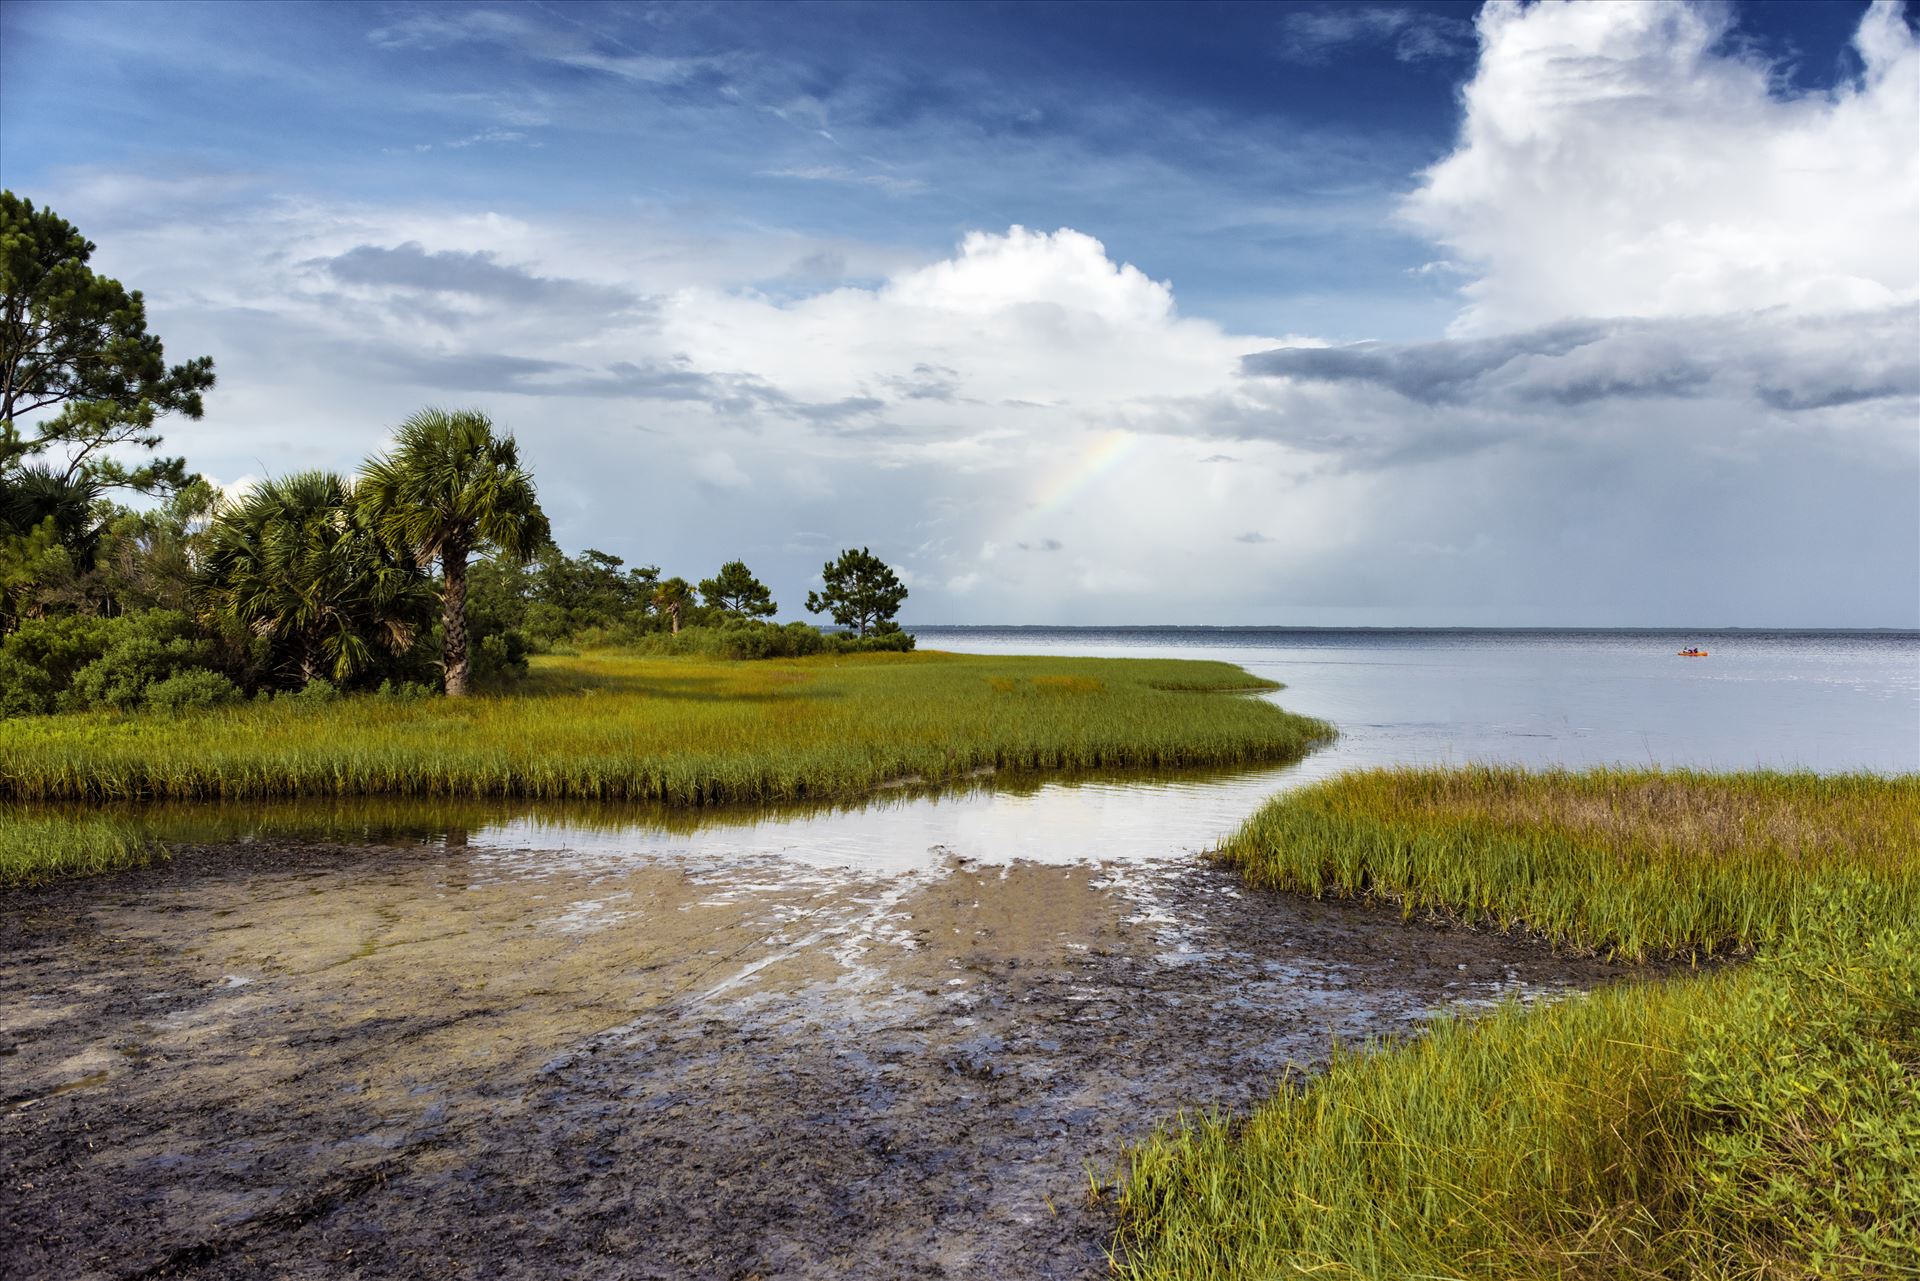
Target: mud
{"type": "Point", "coordinates": [282, 1059]}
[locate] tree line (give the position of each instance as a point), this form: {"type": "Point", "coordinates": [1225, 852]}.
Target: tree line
{"type": "Point", "coordinates": [434, 565]}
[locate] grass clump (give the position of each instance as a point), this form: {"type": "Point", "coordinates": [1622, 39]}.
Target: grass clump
{"type": "Point", "coordinates": [36, 847]}
{"type": "Point", "coordinates": [1637, 863]}
{"type": "Point", "coordinates": [1753, 1122]}
{"type": "Point", "coordinates": [680, 731]}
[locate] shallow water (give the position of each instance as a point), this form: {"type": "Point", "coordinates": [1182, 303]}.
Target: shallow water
{"type": "Point", "coordinates": [1823, 701]}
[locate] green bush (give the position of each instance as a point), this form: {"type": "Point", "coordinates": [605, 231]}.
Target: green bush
{"type": "Point", "coordinates": [25, 690]}
{"type": "Point", "coordinates": [38, 661]}
{"type": "Point", "coordinates": [404, 691]}
{"type": "Point", "coordinates": [501, 656]}
{"type": "Point", "coordinates": [745, 639]}
{"type": "Point", "coordinates": [194, 687]}
{"type": "Point", "coordinates": [78, 662]}
{"type": "Point", "coordinates": [886, 639]}
{"type": "Point", "coordinates": [142, 650]}
{"type": "Point", "coordinates": [317, 690]}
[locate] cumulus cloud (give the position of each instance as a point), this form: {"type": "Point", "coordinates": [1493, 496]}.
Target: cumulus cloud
{"type": "Point", "coordinates": [1620, 160]}
{"type": "Point", "coordinates": [1654, 241]}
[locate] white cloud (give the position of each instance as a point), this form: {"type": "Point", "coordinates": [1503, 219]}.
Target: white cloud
{"type": "Point", "coordinates": [574, 45]}
{"type": "Point", "coordinates": [717, 468]}
{"type": "Point", "coordinates": [841, 174]}
{"type": "Point", "coordinates": [1314, 35]}
{"type": "Point", "coordinates": [1617, 160]}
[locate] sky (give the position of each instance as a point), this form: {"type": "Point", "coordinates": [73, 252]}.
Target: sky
{"type": "Point", "coordinates": [1423, 314]}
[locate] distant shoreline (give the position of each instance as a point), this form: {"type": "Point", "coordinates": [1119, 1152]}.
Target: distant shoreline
{"type": "Point", "coordinates": [1285, 629]}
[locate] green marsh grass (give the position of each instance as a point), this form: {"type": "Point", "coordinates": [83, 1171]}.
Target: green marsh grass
{"type": "Point", "coordinates": [40, 846]}
{"type": "Point", "coordinates": [1758, 1121]}
{"type": "Point", "coordinates": [609, 726]}
{"type": "Point", "coordinates": [1637, 863]}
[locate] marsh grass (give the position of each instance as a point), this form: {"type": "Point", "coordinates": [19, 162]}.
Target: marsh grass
{"type": "Point", "coordinates": [38, 846]}
{"type": "Point", "coordinates": [667, 732]}
{"type": "Point", "coordinates": [1759, 1121]}
{"type": "Point", "coordinates": [1636, 863]}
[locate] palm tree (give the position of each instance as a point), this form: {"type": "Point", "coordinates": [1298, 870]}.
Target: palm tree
{"type": "Point", "coordinates": [449, 489]}
{"type": "Point", "coordinates": [32, 495]}
{"type": "Point", "coordinates": [296, 562]}
{"type": "Point", "coordinates": [671, 598]}
{"type": "Point", "coordinates": [47, 522]}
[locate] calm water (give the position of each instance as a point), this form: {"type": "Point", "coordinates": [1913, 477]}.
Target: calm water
{"type": "Point", "coordinates": [1826, 701]}
{"type": "Point", "coordinates": [1821, 701]}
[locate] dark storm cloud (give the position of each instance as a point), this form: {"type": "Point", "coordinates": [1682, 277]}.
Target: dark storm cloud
{"type": "Point", "coordinates": [927, 382]}
{"type": "Point", "coordinates": [476, 275]}
{"type": "Point", "coordinates": [1431, 373]}
{"type": "Point", "coordinates": [1790, 365]}
{"type": "Point", "coordinates": [734, 395]}
{"type": "Point", "coordinates": [829, 412]}
{"type": "Point", "coordinates": [1814, 396]}
{"type": "Point", "coordinates": [473, 371]}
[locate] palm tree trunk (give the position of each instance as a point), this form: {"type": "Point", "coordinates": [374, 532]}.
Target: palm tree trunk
{"type": "Point", "coordinates": [453, 618]}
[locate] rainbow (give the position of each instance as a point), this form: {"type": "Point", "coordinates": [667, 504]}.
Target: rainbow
{"type": "Point", "coordinates": [1102, 458]}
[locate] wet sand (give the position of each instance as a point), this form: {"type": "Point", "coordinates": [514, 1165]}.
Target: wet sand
{"type": "Point", "coordinates": [286, 1059]}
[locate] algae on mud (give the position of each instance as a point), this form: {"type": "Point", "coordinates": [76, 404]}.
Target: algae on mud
{"type": "Point", "coordinates": [1761, 1121]}
{"type": "Point", "coordinates": [619, 727]}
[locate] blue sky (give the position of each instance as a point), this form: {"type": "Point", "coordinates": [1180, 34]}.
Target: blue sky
{"type": "Point", "coordinates": [748, 280]}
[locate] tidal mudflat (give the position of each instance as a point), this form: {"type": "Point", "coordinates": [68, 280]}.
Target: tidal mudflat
{"type": "Point", "coordinates": [298, 1059]}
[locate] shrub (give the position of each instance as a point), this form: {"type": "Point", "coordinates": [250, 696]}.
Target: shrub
{"type": "Point", "coordinates": [25, 690]}
{"type": "Point", "coordinates": [194, 687]}
{"type": "Point", "coordinates": [81, 661]}
{"type": "Point", "coordinates": [501, 656]}
{"type": "Point", "coordinates": [404, 691]}
{"type": "Point", "coordinates": [141, 650]}
{"type": "Point", "coordinates": [887, 639]}
{"type": "Point", "coordinates": [745, 639]}
{"type": "Point", "coordinates": [38, 661]}
{"type": "Point", "coordinates": [317, 690]}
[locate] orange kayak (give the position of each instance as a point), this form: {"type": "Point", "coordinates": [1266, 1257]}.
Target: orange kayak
{"type": "Point", "coordinates": [1693, 653]}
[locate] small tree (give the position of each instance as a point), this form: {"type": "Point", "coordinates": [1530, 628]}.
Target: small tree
{"type": "Point", "coordinates": [672, 598]}
{"type": "Point", "coordinates": [861, 591]}
{"type": "Point", "coordinates": [449, 489]}
{"type": "Point", "coordinates": [735, 591]}
{"type": "Point", "coordinates": [76, 343]}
